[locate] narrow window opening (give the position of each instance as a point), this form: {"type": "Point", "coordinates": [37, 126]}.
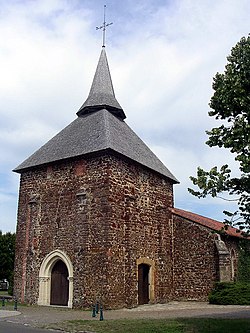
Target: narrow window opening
{"type": "Point", "coordinates": [82, 199]}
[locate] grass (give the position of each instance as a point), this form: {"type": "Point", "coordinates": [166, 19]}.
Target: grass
{"type": "Point", "coordinates": [212, 325]}
{"type": "Point", "coordinates": [196, 325]}
{"type": "Point", "coordinates": [120, 326]}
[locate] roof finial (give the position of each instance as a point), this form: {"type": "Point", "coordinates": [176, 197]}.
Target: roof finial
{"type": "Point", "coordinates": [104, 26]}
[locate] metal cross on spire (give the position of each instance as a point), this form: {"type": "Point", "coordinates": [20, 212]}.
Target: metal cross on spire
{"type": "Point", "coordinates": [103, 27]}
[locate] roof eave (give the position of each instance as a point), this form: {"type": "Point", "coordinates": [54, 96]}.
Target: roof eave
{"type": "Point", "coordinates": [108, 149]}
{"type": "Point", "coordinates": [216, 230]}
{"type": "Point", "coordinates": [94, 108]}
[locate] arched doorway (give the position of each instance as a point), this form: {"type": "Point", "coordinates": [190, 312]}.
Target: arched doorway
{"type": "Point", "coordinates": [59, 294]}
{"type": "Point", "coordinates": [56, 280]}
{"type": "Point", "coordinates": [146, 280]}
{"type": "Point", "coordinates": [143, 283]}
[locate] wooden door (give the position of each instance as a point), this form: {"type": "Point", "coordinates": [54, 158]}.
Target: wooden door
{"type": "Point", "coordinates": [59, 284]}
{"type": "Point", "coordinates": [143, 284]}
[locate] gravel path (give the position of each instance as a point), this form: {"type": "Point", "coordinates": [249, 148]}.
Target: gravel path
{"type": "Point", "coordinates": [39, 316]}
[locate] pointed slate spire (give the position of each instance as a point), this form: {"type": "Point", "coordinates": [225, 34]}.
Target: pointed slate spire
{"type": "Point", "coordinates": [101, 95]}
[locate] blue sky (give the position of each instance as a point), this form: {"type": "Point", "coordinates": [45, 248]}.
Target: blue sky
{"type": "Point", "coordinates": [162, 55]}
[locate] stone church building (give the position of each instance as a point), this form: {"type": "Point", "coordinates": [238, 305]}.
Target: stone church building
{"type": "Point", "coordinates": [96, 219]}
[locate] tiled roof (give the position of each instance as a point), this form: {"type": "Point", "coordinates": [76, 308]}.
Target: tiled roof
{"type": "Point", "coordinates": [94, 132]}
{"type": "Point", "coordinates": [206, 222]}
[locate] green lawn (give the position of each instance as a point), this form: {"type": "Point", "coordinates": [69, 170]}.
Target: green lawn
{"type": "Point", "coordinates": [157, 326]}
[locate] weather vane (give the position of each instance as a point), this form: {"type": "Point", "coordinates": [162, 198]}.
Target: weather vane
{"type": "Point", "coordinates": [104, 26]}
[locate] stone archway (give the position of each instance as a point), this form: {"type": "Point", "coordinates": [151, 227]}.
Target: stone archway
{"type": "Point", "coordinates": [46, 269]}
{"type": "Point", "coordinates": [145, 278]}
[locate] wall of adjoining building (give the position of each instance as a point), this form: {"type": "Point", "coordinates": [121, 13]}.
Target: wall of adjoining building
{"type": "Point", "coordinates": [198, 263]}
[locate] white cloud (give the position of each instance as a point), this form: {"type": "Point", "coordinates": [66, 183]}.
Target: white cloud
{"type": "Point", "coordinates": [162, 55]}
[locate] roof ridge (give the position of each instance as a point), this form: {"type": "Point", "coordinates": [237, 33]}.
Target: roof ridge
{"type": "Point", "coordinates": [106, 128]}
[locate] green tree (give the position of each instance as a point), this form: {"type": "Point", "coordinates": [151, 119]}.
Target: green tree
{"type": "Point", "coordinates": [7, 251]}
{"type": "Point", "coordinates": [244, 262]}
{"type": "Point", "coordinates": [230, 105]}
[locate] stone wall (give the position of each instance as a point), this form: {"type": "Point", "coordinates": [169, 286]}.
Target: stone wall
{"type": "Point", "coordinates": [232, 245]}
{"type": "Point", "coordinates": [140, 228]}
{"type": "Point", "coordinates": [104, 213]}
{"type": "Point", "coordinates": [195, 260]}
{"type": "Point", "coordinates": [108, 215]}
{"type": "Point", "coordinates": [198, 261]}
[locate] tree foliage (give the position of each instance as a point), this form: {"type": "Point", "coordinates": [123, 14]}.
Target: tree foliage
{"type": "Point", "coordinates": [230, 104]}
{"type": "Point", "coordinates": [7, 251]}
{"type": "Point", "coordinates": [243, 274]}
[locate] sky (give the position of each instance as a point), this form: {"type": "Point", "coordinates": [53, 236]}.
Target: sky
{"type": "Point", "coordinates": [163, 55]}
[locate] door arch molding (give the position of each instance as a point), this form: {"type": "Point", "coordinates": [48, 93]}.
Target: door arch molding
{"type": "Point", "coordinates": [45, 276]}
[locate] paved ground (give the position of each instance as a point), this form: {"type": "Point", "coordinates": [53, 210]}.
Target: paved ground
{"type": "Point", "coordinates": [39, 316]}
{"type": "Point", "coordinates": [6, 327]}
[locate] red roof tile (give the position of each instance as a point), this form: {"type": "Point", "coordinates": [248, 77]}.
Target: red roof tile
{"type": "Point", "coordinates": [205, 221]}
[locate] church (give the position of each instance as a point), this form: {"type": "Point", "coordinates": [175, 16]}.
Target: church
{"type": "Point", "coordinates": [96, 219]}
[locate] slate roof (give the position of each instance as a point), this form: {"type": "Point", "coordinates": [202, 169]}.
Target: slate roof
{"type": "Point", "coordinates": [206, 222]}
{"type": "Point", "coordinates": [101, 95]}
{"type": "Point", "coordinates": [95, 132]}
{"type": "Point", "coordinates": [100, 126]}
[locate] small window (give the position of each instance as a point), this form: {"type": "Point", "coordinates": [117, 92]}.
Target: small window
{"type": "Point", "coordinates": [82, 199]}
{"type": "Point", "coordinates": [33, 200]}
